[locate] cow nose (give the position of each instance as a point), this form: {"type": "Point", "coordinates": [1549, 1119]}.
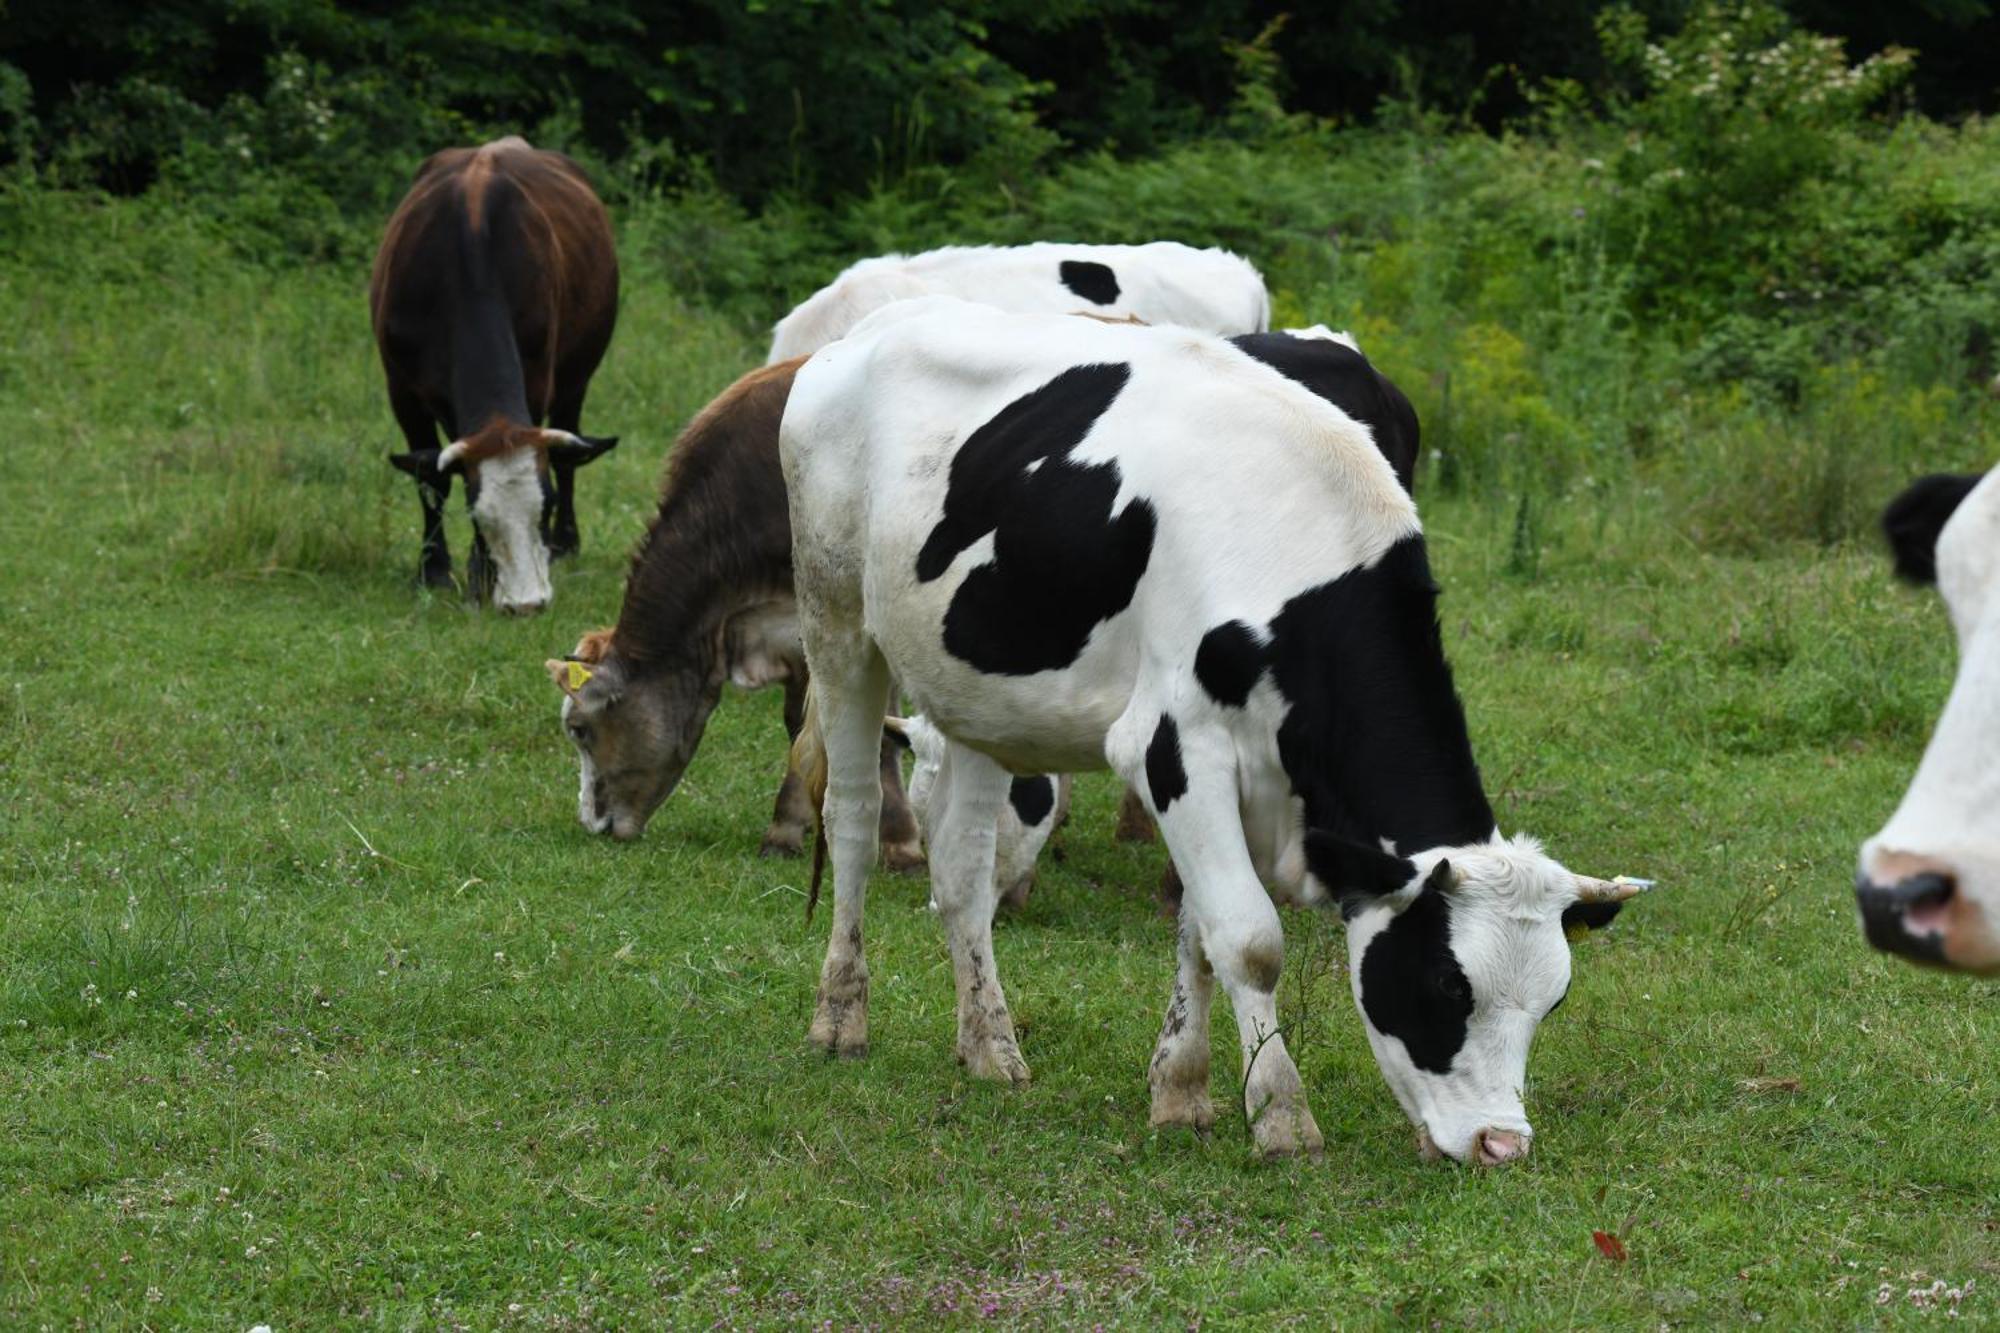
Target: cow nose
{"type": "Point", "coordinates": [527, 608]}
{"type": "Point", "coordinates": [1495, 1147]}
{"type": "Point", "coordinates": [1908, 916]}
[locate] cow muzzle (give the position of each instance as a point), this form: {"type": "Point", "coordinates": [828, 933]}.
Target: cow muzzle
{"type": "Point", "coordinates": [1924, 915]}
{"type": "Point", "coordinates": [1489, 1147]}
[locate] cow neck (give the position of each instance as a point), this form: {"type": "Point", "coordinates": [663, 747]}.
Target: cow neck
{"type": "Point", "coordinates": [721, 542]}
{"type": "Point", "coordinates": [1375, 740]}
{"type": "Point", "coordinates": [487, 381]}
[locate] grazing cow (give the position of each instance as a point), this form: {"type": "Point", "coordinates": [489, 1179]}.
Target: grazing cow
{"type": "Point", "coordinates": [709, 600]}
{"type": "Point", "coordinates": [493, 299]}
{"type": "Point", "coordinates": [1929, 883]}
{"type": "Point", "coordinates": [1077, 547]}
{"type": "Point", "coordinates": [1161, 283]}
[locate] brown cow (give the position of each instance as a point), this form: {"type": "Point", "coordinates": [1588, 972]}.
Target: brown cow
{"type": "Point", "coordinates": [709, 600]}
{"type": "Point", "coordinates": [493, 299]}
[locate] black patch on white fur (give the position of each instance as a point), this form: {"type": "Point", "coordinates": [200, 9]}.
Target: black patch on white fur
{"type": "Point", "coordinates": [1354, 872]}
{"type": "Point", "coordinates": [1062, 562]}
{"type": "Point", "coordinates": [1164, 775]}
{"type": "Point", "coordinates": [1374, 738]}
{"type": "Point", "coordinates": [1914, 519]}
{"type": "Point", "coordinates": [1412, 987]}
{"type": "Point", "coordinates": [1228, 662]}
{"type": "Point", "coordinates": [1032, 798]}
{"type": "Point", "coordinates": [1345, 378]}
{"type": "Point", "coordinates": [1093, 281]}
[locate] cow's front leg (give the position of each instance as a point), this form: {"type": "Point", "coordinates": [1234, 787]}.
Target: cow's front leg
{"type": "Point", "coordinates": [851, 703]}
{"type": "Point", "coordinates": [792, 813]}
{"type": "Point", "coordinates": [1189, 780]}
{"type": "Point", "coordinates": [965, 813]}
{"type": "Point", "coordinates": [902, 847]}
{"type": "Point", "coordinates": [1179, 1073]}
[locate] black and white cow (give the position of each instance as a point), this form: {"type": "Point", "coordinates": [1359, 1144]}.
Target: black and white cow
{"type": "Point", "coordinates": [1077, 546]}
{"type": "Point", "coordinates": [1929, 883]}
{"type": "Point", "coordinates": [1163, 282]}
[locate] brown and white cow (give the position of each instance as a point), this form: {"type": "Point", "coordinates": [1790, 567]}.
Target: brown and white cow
{"type": "Point", "coordinates": [709, 600]}
{"type": "Point", "coordinates": [493, 299]}
{"type": "Point", "coordinates": [1928, 885]}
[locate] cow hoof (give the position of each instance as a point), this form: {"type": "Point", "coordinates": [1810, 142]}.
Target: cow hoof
{"type": "Point", "coordinates": [775, 844]}
{"type": "Point", "coordinates": [998, 1061]}
{"type": "Point", "coordinates": [1287, 1131]}
{"type": "Point", "coordinates": [840, 1022]}
{"type": "Point", "coordinates": [562, 548]}
{"type": "Point", "coordinates": [904, 858]}
{"type": "Point", "coordinates": [1188, 1108]}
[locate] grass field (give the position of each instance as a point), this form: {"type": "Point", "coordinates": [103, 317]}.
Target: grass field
{"type": "Point", "coordinates": [318, 1008]}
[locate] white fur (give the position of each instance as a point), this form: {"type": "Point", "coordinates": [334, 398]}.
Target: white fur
{"type": "Point", "coordinates": [509, 515]}
{"type": "Point", "coordinates": [1160, 283]}
{"type": "Point", "coordinates": [867, 440]}
{"type": "Point", "coordinates": [1016, 844]}
{"type": "Point", "coordinates": [1950, 816]}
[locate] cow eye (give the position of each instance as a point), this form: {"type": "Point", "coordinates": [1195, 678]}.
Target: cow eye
{"type": "Point", "coordinates": [579, 733]}
{"type": "Point", "coordinates": [1455, 989]}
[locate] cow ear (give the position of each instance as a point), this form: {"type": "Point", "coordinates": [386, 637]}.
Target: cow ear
{"type": "Point", "coordinates": [419, 463]}
{"type": "Point", "coordinates": [1914, 519]}
{"type": "Point", "coordinates": [1356, 873]}
{"type": "Point", "coordinates": [576, 450]}
{"type": "Point", "coordinates": [1580, 917]}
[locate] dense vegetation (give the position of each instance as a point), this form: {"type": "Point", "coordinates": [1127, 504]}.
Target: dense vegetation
{"type": "Point", "coordinates": [317, 1008]}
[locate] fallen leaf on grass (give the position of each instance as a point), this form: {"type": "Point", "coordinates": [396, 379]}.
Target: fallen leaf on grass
{"type": "Point", "coordinates": [1609, 1246]}
{"type": "Point", "coordinates": [1790, 1083]}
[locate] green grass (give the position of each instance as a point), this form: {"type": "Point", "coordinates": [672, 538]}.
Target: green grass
{"type": "Point", "coordinates": [318, 1008]}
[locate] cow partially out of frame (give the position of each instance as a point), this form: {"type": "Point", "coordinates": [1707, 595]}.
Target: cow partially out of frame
{"type": "Point", "coordinates": [1076, 546]}
{"type": "Point", "coordinates": [1928, 885]}
{"type": "Point", "coordinates": [493, 299]}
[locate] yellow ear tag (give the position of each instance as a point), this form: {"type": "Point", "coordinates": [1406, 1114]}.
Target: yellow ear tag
{"type": "Point", "coordinates": [579, 676]}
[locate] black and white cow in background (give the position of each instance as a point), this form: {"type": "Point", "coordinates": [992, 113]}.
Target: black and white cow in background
{"type": "Point", "coordinates": [1929, 883]}
{"type": "Point", "coordinates": [1163, 282]}
{"type": "Point", "coordinates": [1078, 546]}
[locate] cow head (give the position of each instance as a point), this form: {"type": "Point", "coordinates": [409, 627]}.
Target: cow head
{"type": "Point", "coordinates": [634, 727]}
{"type": "Point", "coordinates": [506, 471]}
{"type": "Point", "coordinates": [1928, 885]}
{"type": "Point", "coordinates": [1456, 955]}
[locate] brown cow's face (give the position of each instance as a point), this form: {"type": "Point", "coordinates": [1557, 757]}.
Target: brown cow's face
{"type": "Point", "coordinates": [634, 735]}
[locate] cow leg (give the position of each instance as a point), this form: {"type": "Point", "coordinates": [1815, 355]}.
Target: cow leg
{"type": "Point", "coordinates": [965, 810]}
{"type": "Point", "coordinates": [420, 432]}
{"type": "Point", "coordinates": [792, 812]}
{"type": "Point", "coordinates": [559, 532]}
{"type": "Point", "coordinates": [479, 571]}
{"type": "Point", "coordinates": [902, 848]}
{"type": "Point", "coordinates": [1135, 819]}
{"type": "Point", "coordinates": [853, 694]}
{"type": "Point", "coordinates": [1233, 919]}
{"type": "Point", "coordinates": [1179, 1073]}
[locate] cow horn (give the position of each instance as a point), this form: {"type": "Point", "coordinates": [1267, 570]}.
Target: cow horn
{"type": "Point", "coordinates": [1589, 890]}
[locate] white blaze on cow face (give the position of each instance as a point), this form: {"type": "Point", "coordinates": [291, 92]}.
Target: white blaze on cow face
{"type": "Point", "coordinates": [508, 513]}
{"type": "Point", "coordinates": [1452, 975]}
{"type": "Point", "coordinates": [1929, 881]}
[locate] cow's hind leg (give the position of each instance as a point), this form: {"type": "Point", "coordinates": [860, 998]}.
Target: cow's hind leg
{"type": "Point", "coordinates": [792, 812]}
{"type": "Point", "coordinates": [1189, 779]}
{"type": "Point", "coordinates": [964, 816]}
{"type": "Point", "coordinates": [1179, 1073]}
{"type": "Point", "coordinates": [853, 692]}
